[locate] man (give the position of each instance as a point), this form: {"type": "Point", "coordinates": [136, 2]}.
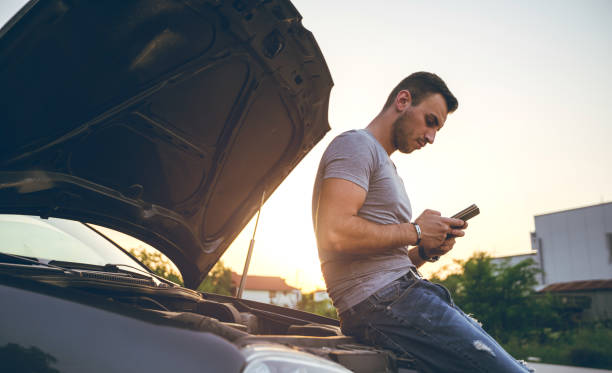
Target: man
{"type": "Point", "coordinates": [370, 249]}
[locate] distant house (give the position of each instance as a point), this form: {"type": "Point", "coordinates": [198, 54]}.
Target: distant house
{"type": "Point", "coordinates": [320, 295]}
{"type": "Point", "coordinates": [592, 297]}
{"type": "Point", "coordinates": [573, 248]}
{"type": "Point", "coordinates": [268, 289]}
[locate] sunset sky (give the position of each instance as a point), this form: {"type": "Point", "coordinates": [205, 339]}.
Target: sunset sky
{"type": "Point", "coordinates": [532, 133]}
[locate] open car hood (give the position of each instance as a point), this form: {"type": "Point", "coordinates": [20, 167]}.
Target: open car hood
{"type": "Point", "coordinates": [166, 120]}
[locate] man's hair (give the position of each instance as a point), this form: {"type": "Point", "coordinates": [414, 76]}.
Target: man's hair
{"type": "Point", "coordinates": [421, 85]}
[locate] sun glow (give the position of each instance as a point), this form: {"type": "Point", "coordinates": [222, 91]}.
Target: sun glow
{"type": "Point", "coordinates": [531, 134]}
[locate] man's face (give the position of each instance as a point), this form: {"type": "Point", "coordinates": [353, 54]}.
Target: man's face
{"type": "Point", "coordinates": [417, 125]}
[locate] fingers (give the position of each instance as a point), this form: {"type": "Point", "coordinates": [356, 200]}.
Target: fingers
{"type": "Point", "coordinates": [457, 233]}
{"type": "Point", "coordinates": [448, 245]}
{"type": "Point", "coordinates": [454, 222]}
{"type": "Point", "coordinates": [444, 248]}
{"type": "Point", "coordinates": [437, 230]}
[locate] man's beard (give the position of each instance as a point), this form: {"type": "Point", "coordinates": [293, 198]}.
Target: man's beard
{"type": "Point", "coordinates": [400, 136]}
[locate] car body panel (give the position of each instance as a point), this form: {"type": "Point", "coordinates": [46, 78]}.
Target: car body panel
{"type": "Point", "coordinates": [118, 338]}
{"type": "Point", "coordinates": [166, 120]}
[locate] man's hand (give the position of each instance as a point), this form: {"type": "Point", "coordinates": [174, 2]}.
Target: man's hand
{"type": "Point", "coordinates": [438, 235]}
{"type": "Point", "coordinates": [446, 246]}
{"type": "Point", "coordinates": [435, 229]}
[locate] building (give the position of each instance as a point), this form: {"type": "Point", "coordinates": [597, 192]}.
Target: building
{"type": "Point", "coordinates": [574, 245]}
{"type": "Point", "coordinates": [516, 258]}
{"type": "Point", "coordinates": [268, 289]}
{"type": "Point", "coordinates": [593, 298]}
{"type": "Point", "coordinates": [574, 251]}
{"type": "Point", "coordinates": [320, 295]}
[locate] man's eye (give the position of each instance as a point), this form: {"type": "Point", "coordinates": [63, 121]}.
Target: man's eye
{"type": "Point", "coordinates": [431, 121]}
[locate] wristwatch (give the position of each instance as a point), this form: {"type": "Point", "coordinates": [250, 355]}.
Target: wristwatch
{"type": "Point", "coordinates": [425, 257]}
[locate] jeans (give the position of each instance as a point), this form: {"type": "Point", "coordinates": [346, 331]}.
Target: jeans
{"type": "Point", "coordinates": [418, 321]}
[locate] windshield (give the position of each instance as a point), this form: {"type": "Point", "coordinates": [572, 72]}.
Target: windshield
{"type": "Point", "coordinates": [59, 240]}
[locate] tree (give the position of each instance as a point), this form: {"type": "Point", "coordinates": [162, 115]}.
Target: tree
{"type": "Point", "coordinates": [218, 280]}
{"type": "Point", "coordinates": [527, 323]}
{"type": "Point", "coordinates": [323, 307]}
{"type": "Point", "coordinates": [158, 263]}
{"type": "Point", "coordinates": [500, 296]}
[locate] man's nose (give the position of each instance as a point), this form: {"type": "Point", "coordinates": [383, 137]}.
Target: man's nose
{"type": "Point", "coordinates": [430, 136]}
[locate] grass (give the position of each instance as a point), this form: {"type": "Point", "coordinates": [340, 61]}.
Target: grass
{"type": "Point", "coordinates": [587, 347]}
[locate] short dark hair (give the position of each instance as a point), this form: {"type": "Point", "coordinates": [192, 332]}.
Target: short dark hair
{"type": "Point", "coordinates": [421, 85]}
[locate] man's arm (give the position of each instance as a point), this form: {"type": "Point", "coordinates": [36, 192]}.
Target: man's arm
{"type": "Point", "coordinates": [339, 228]}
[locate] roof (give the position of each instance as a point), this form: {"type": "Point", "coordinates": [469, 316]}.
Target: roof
{"type": "Point", "coordinates": [530, 253]}
{"type": "Point", "coordinates": [573, 209]}
{"type": "Point", "coordinates": [578, 286]}
{"type": "Point", "coordinates": [262, 283]}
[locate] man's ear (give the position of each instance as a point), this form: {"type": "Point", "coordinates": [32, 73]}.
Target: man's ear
{"type": "Point", "coordinates": [403, 100]}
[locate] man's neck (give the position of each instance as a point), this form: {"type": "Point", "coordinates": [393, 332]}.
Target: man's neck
{"type": "Point", "coordinates": [381, 127]}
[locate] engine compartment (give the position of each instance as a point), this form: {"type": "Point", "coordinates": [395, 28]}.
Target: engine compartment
{"type": "Point", "coordinates": [238, 321]}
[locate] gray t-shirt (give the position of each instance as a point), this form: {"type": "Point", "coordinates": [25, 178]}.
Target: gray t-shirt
{"type": "Point", "coordinates": [358, 157]}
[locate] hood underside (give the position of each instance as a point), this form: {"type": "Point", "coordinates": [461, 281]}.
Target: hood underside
{"type": "Point", "coordinates": [166, 120]}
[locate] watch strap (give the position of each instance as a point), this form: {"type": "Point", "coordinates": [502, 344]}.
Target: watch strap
{"type": "Point", "coordinates": [426, 258]}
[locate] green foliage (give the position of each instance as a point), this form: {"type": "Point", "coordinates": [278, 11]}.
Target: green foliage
{"type": "Point", "coordinates": [526, 323]}
{"type": "Point", "coordinates": [323, 308]}
{"type": "Point", "coordinates": [218, 281]}
{"type": "Point", "coordinates": [501, 296]}
{"type": "Point", "coordinates": [158, 263]}
{"type": "Point", "coordinates": [586, 346]}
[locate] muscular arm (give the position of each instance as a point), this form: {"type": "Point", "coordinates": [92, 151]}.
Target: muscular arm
{"type": "Point", "coordinates": [339, 228]}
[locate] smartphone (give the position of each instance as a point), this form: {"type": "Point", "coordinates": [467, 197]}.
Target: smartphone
{"type": "Point", "coordinates": [467, 213]}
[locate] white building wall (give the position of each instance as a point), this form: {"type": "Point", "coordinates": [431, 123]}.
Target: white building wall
{"type": "Point", "coordinates": [279, 298]}
{"type": "Point", "coordinates": [256, 295]}
{"type": "Point", "coordinates": [320, 296]}
{"type": "Point", "coordinates": [286, 298]}
{"type": "Point", "coordinates": [512, 260]}
{"type": "Point", "coordinates": [573, 245]}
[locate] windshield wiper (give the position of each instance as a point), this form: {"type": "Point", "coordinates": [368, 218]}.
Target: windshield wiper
{"type": "Point", "coordinates": [85, 268]}
{"type": "Point", "coordinates": [164, 281]}
{"type": "Point", "coordinates": [78, 268]}
{"type": "Point", "coordinates": [114, 268]}
{"type": "Point", "coordinates": [19, 259]}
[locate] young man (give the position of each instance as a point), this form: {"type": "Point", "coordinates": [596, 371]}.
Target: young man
{"type": "Point", "coordinates": [370, 249]}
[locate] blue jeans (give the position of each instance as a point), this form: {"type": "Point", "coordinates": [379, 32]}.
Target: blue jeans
{"type": "Point", "coordinates": [418, 321]}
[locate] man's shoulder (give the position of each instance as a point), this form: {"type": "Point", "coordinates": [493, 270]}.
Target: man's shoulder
{"type": "Point", "coordinates": [354, 137]}
{"type": "Point", "coordinates": [358, 146]}
{"type": "Point", "coordinates": [356, 134]}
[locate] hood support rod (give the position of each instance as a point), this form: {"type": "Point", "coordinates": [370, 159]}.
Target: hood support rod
{"type": "Point", "coordinates": [245, 271]}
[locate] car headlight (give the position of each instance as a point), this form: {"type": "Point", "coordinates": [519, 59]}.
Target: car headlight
{"type": "Point", "coordinates": [268, 358]}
